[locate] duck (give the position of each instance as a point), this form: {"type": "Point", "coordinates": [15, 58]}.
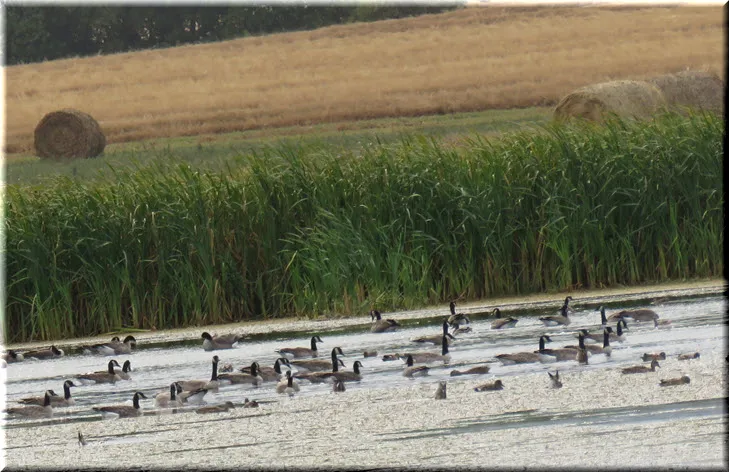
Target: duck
{"type": "Point", "coordinates": [659, 356]}
{"type": "Point", "coordinates": [213, 385]}
{"type": "Point", "coordinates": [557, 320]}
{"type": "Point", "coordinates": [440, 392]}
{"type": "Point", "coordinates": [253, 377]}
{"type": "Point", "coordinates": [382, 326]}
{"type": "Point", "coordinates": [190, 396]}
{"type": "Point", "coordinates": [269, 374]}
{"type": "Point", "coordinates": [34, 411]}
{"type": "Point", "coordinates": [222, 408]}
{"type": "Point", "coordinates": [339, 386]}
{"type": "Point", "coordinates": [444, 356]}
{"type": "Point", "coordinates": [343, 376]}
{"type": "Point", "coordinates": [167, 400]}
{"type": "Point", "coordinates": [677, 381]}
{"type": "Point", "coordinates": [214, 343]}
{"type": "Point", "coordinates": [297, 352]}
{"type": "Point", "coordinates": [414, 371]}
{"type": "Point", "coordinates": [288, 386]}
{"type": "Point", "coordinates": [318, 365]}
{"type": "Point", "coordinates": [391, 357]}
{"type": "Point", "coordinates": [110, 375]}
{"type": "Point", "coordinates": [662, 324]}
{"type": "Point", "coordinates": [11, 356]}
{"type": "Point", "coordinates": [122, 411]}
{"type": "Point", "coordinates": [641, 369]}
{"type": "Point", "coordinates": [249, 403]}
{"type": "Point", "coordinates": [457, 319]}
{"type": "Point", "coordinates": [643, 314]}
{"type": "Point", "coordinates": [502, 323]}
{"type": "Point", "coordinates": [115, 347]}
{"type": "Point", "coordinates": [436, 339]}
{"type": "Point", "coordinates": [478, 370]}
{"type": "Point", "coordinates": [524, 357]}
{"type": "Point", "coordinates": [56, 401]}
{"type": "Point", "coordinates": [49, 353]}
{"type": "Point", "coordinates": [556, 383]}
{"type": "Point", "coordinates": [490, 386]}
{"type": "Point", "coordinates": [686, 357]}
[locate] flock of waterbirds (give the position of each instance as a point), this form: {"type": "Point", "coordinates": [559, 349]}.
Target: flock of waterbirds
{"type": "Point", "coordinates": [294, 367]}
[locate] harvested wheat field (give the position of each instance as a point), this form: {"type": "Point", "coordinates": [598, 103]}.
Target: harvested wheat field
{"type": "Point", "coordinates": [472, 59]}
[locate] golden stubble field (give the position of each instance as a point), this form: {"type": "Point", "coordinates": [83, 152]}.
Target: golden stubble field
{"type": "Point", "coordinates": [472, 59]}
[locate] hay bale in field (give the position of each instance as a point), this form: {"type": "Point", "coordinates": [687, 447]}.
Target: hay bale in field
{"type": "Point", "coordinates": [692, 89]}
{"type": "Point", "coordinates": [67, 134]}
{"type": "Point", "coordinates": [625, 98]}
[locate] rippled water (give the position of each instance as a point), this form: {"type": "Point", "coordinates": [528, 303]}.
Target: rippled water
{"type": "Point", "coordinates": [527, 423]}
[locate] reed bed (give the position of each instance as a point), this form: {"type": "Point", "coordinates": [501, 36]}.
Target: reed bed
{"type": "Point", "coordinates": [307, 230]}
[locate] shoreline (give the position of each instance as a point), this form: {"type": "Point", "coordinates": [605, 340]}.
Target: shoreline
{"type": "Point", "coordinates": [537, 301]}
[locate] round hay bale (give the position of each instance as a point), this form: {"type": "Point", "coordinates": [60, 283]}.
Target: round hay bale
{"type": "Point", "coordinates": [625, 98]}
{"type": "Point", "coordinates": [692, 89]}
{"type": "Point", "coordinates": [68, 134]}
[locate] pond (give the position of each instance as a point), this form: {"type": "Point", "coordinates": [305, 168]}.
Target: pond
{"type": "Point", "coordinates": [600, 417]}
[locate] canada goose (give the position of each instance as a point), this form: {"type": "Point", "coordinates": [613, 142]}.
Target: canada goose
{"type": "Point", "coordinates": [191, 396]}
{"type": "Point", "coordinates": [382, 326]}
{"type": "Point", "coordinates": [296, 352]}
{"type": "Point", "coordinates": [318, 365]}
{"type": "Point", "coordinates": [49, 353]}
{"type": "Point", "coordinates": [659, 356]}
{"type": "Point", "coordinates": [556, 383]}
{"type": "Point", "coordinates": [686, 357]}
{"type": "Point", "coordinates": [566, 304]}
{"type": "Point", "coordinates": [431, 356]}
{"type": "Point", "coordinates": [56, 401]}
{"type": "Point", "coordinates": [222, 408]}
{"type": "Point", "coordinates": [288, 386]}
{"type": "Point", "coordinates": [11, 356]}
{"type": "Point", "coordinates": [503, 323]}
{"type": "Point", "coordinates": [122, 411]}
{"type": "Point", "coordinates": [556, 355]}
{"type": "Point", "coordinates": [677, 381]}
{"type": "Point", "coordinates": [662, 324]}
{"type": "Point", "coordinates": [213, 385]}
{"type": "Point", "coordinates": [269, 374]}
{"type": "Point", "coordinates": [467, 329]}
{"type": "Point", "coordinates": [253, 377]}
{"type": "Point", "coordinates": [214, 343]}
{"type": "Point", "coordinates": [166, 400]}
{"type": "Point", "coordinates": [524, 357]}
{"type": "Point", "coordinates": [319, 377]}
{"type": "Point", "coordinates": [639, 315]}
{"type": "Point", "coordinates": [457, 319]}
{"type": "Point", "coordinates": [354, 376]}
{"type": "Point", "coordinates": [481, 369]}
{"type": "Point", "coordinates": [618, 336]}
{"type": "Point", "coordinates": [594, 349]}
{"type": "Point", "coordinates": [34, 411]}
{"type": "Point", "coordinates": [367, 354]}
{"type": "Point", "coordinates": [412, 371]}
{"type": "Point", "coordinates": [339, 386]}
{"type": "Point", "coordinates": [496, 385]}
{"type": "Point", "coordinates": [603, 318]}
{"type": "Point", "coordinates": [250, 403]}
{"type": "Point", "coordinates": [557, 320]}
{"type": "Point", "coordinates": [126, 368]}
{"type": "Point", "coordinates": [440, 392]}
{"type": "Point", "coordinates": [582, 352]}
{"type": "Point", "coordinates": [115, 347]}
{"type": "Point", "coordinates": [436, 339]}
{"type": "Point", "coordinates": [641, 369]}
{"type": "Point", "coordinates": [108, 376]}
{"type": "Point", "coordinates": [590, 337]}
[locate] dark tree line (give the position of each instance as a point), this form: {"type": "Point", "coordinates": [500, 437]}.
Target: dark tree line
{"type": "Point", "coordinates": [35, 34]}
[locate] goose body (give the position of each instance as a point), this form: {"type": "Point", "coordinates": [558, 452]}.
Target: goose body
{"type": "Point", "coordinates": [523, 357]}
{"type": "Point", "coordinates": [502, 323]}
{"type": "Point", "coordinates": [298, 352]}
{"type": "Point", "coordinates": [457, 319]}
{"type": "Point", "coordinates": [11, 356]}
{"type": "Point", "coordinates": [190, 396]}
{"type": "Point", "coordinates": [108, 376]}
{"type": "Point", "coordinates": [215, 343]}
{"type": "Point", "coordinates": [659, 356]}
{"type": "Point", "coordinates": [250, 403]}
{"type": "Point", "coordinates": [422, 357]}
{"type": "Point", "coordinates": [639, 315]}
{"type": "Point", "coordinates": [222, 408]}
{"type": "Point", "coordinates": [557, 320]}
{"type": "Point", "coordinates": [436, 339]}
{"type": "Point", "coordinates": [49, 353]}
{"type": "Point", "coordinates": [318, 365]}
{"type": "Point", "coordinates": [440, 392]}
{"type": "Point", "coordinates": [319, 377]}
{"type": "Point", "coordinates": [414, 371]}
{"type": "Point", "coordinates": [382, 326]}
{"type": "Point", "coordinates": [288, 386]}
{"type": "Point", "coordinates": [122, 411]}
{"type": "Point", "coordinates": [168, 399]}
{"type": "Point", "coordinates": [367, 354]}
{"type": "Point", "coordinates": [34, 411]}
{"type": "Point", "coordinates": [478, 370]}
{"type": "Point", "coordinates": [56, 401]}
{"type": "Point", "coordinates": [213, 385]}
{"type": "Point", "coordinates": [115, 347]}
{"type": "Point", "coordinates": [557, 355]}
{"type": "Point", "coordinates": [556, 383]}
{"type": "Point", "coordinates": [490, 386]}
{"type": "Point", "coordinates": [253, 378]}
{"type": "Point", "coordinates": [345, 376]}
{"type": "Point", "coordinates": [641, 369]}
{"type": "Point", "coordinates": [686, 357]}
{"type": "Point", "coordinates": [677, 381]}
